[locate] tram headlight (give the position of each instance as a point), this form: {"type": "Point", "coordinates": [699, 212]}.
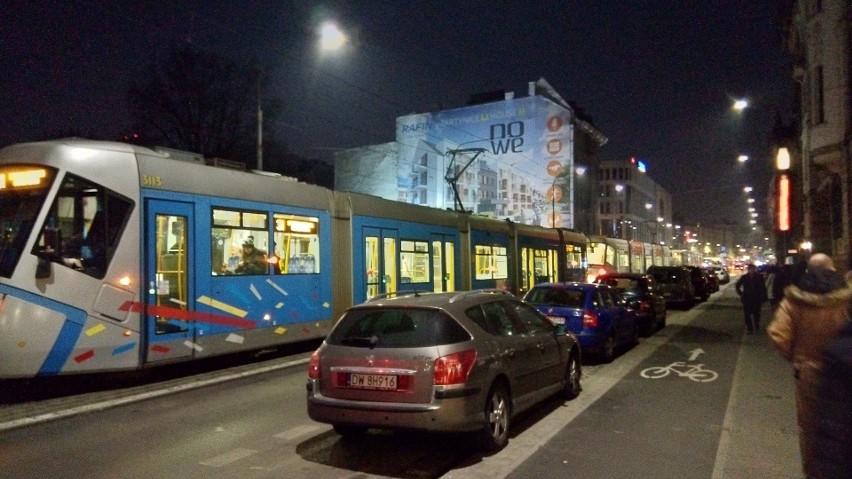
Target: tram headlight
{"type": "Point", "coordinates": [124, 281]}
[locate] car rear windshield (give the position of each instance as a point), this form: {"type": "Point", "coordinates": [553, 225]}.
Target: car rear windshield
{"type": "Point", "coordinates": [397, 328]}
{"type": "Point", "coordinates": [622, 284]}
{"type": "Point", "coordinates": [667, 276]}
{"type": "Point", "coordinates": [569, 298]}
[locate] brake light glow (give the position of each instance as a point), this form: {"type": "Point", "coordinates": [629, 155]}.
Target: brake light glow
{"type": "Point", "coordinates": [590, 319]}
{"type": "Point", "coordinates": [644, 306]}
{"type": "Point", "coordinates": [454, 368]}
{"type": "Point", "coordinates": [314, 366]}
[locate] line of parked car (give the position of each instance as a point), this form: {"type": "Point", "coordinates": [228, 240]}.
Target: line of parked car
{"type": "Point", "coordinates": [471, 361]}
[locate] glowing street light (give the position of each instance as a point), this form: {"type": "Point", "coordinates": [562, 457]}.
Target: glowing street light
{"type": "Point", "coordinates": [748, 189]}
{"type": "Point", "coordinates": [742, 158]}
{"type": "Point", "coordinates": [740, 105]}
{"type": "Point", "coordinates": [331, 37]}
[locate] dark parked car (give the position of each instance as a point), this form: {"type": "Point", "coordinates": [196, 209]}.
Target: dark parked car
{"type": "Point", "coordinates": [712, 279]}
{"type": "Point", "coordinates": [643, 295]}
{"type": "Point", "coordinates": [450, 362]}
{"type": "Point", "coordinates": [596, 313]}
{"type": "Point", "coordinates": [676, 284]}
{"type": "Point", "coordinates": [703, 289]}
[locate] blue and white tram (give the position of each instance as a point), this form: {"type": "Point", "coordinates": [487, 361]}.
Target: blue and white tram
{"type": "Point", "coordinates": [118, 257]}
{"type": "Point", "coordinates": [115, 256]}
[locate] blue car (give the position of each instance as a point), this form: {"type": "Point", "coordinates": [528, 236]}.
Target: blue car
{"type": "Point", "coordinates": [596, 313]}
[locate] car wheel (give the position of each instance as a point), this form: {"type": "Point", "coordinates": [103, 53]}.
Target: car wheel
{"type": "Point", "coordinates": [572, 378]}
{"type": "Point", "coordinates": [348, 431]}
{"type": "Point", "coordinates": [647, 327]}
{"type": "Point", "coordinates": [495, 433]}
{"type": "Point", "coordinates": [608, 349]}
{"type": "Point", "coordinates": [634, 338]}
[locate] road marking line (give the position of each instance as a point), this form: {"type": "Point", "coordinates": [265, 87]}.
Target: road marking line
{"type": "Point", "coordinates": [228, 457]}
{"type": "Point", "coordinates": [297, 431]}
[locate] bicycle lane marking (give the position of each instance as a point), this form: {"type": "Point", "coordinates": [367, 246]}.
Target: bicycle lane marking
{"type": "Point", "coordinates": [695, 372]}
{"type": "Point", "coordinates": [643, 428]}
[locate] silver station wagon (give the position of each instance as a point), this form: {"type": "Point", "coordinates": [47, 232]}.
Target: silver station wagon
{"type": "Point", "coordinates": [448, 362]}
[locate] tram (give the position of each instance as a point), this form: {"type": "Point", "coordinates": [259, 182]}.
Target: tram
{"type": "Point", "coordinates": [614, 255]}
{"type": "Point", "coordinates": [119, 257]}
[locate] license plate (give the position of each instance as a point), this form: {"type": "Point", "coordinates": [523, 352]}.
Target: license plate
{"type": "Point", "coordinates": [372, 381]}
{"type": "Point", "coordinates": [556, 319]}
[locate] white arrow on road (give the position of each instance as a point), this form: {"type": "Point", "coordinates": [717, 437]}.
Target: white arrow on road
{"type": "Point", "coordinates": [695, 354]}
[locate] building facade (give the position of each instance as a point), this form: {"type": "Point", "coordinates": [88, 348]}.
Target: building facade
{"type": "Point", "coordinates": [818, 36]}
{"type": "Point", "coordinates": [632, 205]}
{"type": "Point", "coordinates": [521, 159]}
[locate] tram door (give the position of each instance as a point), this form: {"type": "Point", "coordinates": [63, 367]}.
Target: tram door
{"type": "Point", "coordinates": [168, 299]}
{"type": "Point", "coordinates": [443, 264]}
{"type": "Point", "coordinates": [380, 258]}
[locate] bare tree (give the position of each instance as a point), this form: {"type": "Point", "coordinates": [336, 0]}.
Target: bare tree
{"type": "Point", "coordinates": [197, 101]}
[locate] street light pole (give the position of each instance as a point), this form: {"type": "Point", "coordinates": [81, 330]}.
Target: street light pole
{"type": "Point", "coordinates": [259, 125]}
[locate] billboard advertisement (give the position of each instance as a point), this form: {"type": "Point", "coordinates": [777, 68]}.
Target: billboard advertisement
{"type": "Point", "coordinates": [507, 159]}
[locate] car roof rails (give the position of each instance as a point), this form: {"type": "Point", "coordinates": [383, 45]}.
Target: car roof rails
{"type": "Point", "coordinates": [464, 294]}
{"type": "Point", "coordinates": [396, 294]}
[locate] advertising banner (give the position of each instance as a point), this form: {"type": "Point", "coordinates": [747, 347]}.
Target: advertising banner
{"type": "Point", "coordinates": [507, 159]}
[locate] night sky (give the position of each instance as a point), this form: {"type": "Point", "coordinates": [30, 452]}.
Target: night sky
{"type": "Point", "coordinates": [656, 77]}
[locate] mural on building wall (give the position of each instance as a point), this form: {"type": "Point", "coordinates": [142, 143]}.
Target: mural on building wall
{"type": "Point", "coordinates": [518, 154]}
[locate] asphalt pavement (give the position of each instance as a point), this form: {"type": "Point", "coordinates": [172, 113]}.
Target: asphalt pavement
{"type": "Point", "coordinates": [758, 438]}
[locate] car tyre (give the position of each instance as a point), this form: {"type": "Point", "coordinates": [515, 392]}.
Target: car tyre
{"type": "Point", "coordinates": [349, 431]}
{"type": "Point", "coordinates": [572, 378]}
{"type": "Point", "coordinates": [634, 338]}
{"type": "Point", "coordinates": [608, 349]}
{"type": "Point", "coordinates": [495, 432]}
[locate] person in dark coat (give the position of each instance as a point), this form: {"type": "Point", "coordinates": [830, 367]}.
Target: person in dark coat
{"type": "Point", "coordinates": [809, 317]}
{"type": "Point", "coordinates": [833, 436]}
{"type": "Point", "coordinates": [751, 289]}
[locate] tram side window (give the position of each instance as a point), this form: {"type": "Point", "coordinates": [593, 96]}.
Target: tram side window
{"type": "Point", "coordinates": [240, 240]}
{"type": "Point", "coordinates": [414, 261]}
{"type": "Point", "coordinates": [297, 245]}
{"type": "Point", "coordinates": [491, 262]}
{"type": "Point", "coordinates": [83, 226]}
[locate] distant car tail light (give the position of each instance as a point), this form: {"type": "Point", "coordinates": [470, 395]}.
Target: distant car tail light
{"type": "Point", "coordinates": [454, 368]}
{"type": "Point", "coordinates": [590, 319]}
{"type": "Point", "coordinates": [644, 306]}
{"type": "Point", "coordinates": [314, 366]}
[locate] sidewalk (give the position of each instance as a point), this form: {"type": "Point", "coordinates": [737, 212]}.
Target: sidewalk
{"type": "Point", "coordinates": [759, 437]}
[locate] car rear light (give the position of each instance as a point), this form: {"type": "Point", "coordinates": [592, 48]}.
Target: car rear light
{"type": "Point", "coordinates": [644, 306]}
{"type": "Point", "coordinates": [454, 368]}
{"type": "Point", "coordinates": [314, 366]}
{"type": "Point", "coordinates": [590, 319]}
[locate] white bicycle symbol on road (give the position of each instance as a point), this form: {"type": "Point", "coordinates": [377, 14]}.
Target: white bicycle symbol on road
{"type": "Point", "coordinates": [695, 372]}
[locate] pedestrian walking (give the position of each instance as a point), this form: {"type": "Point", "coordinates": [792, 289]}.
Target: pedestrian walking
{"type": "Point", "coordinates": [751, 289]}
{"type": "Point", "coordinates": [812, 312]}
{"type": "Point", "coordinates": [833, 437]}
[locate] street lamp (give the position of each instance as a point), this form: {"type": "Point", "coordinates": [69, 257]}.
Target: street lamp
{"type": "Point", "coordinates": [331, 37]}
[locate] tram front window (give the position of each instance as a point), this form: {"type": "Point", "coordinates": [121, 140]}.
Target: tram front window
{"type": "Point", "coordinates": [22, 192]}
{"type": "Point", "coordinates": [83, 226]}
